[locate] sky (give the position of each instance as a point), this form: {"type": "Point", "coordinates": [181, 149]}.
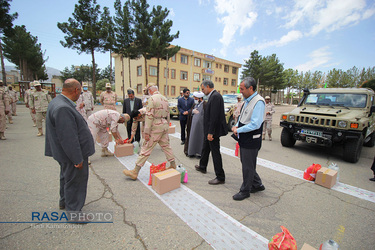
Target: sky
{"type": "Point", "coordinates": [304, 34]}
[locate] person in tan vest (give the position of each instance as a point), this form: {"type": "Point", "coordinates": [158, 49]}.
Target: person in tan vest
{"type": "Point", "coordinates": [39, 100]}
{"type": "Point", "coordinates": [27, 102]}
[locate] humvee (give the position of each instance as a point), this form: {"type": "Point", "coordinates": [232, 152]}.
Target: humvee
{"type": "Point", "coordinates": [332, 116]}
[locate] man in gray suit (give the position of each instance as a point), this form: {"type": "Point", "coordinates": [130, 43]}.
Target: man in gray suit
{"type": "Point", "coordinates": [70, 143]}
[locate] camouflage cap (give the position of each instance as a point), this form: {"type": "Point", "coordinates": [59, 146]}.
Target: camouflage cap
{"type": "Point", "coordinates": [37, 83]}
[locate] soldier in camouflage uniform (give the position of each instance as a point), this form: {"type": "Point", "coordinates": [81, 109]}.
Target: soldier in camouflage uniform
{"type": "Point", "coordinates": [267, 125]}
{"type": "Point", "coordinates": [137, 116]}
{"type": "Point", "coordinates": [14, 98]}
{"type": "Point", "coordinates": [88, 99]}
{"type": "Point", "coordinates": [4, 110]}
{"type": "Point", "coordinates": [27, 102]}
{"type": "Point", "coordinates": [155, 131]}
{"type": "Point", "coordinates": [39, 100]}
{"type": "Point", "coordinates": [108, 98]}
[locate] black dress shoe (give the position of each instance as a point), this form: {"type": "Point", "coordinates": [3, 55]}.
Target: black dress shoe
{"type": "Point", "coordinates": [241, 196]}
{"type": "Point", "coordinates": [257, 189]}
{"type": "Point", "coordinates": [62, 206]}
{"type": "Point", "coordinates": [183, 142]}
{"type": "Point", "coordinates": [215, 182]}
{"type": "Point", "coordinates": [372, 179]}
{"type": "Point", "coordinates": [198, 168]}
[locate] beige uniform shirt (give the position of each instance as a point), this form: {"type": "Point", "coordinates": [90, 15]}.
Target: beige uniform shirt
{"type": "Point", "coordinates": [157, 114]}
{"type": "Point", "coordinates": [39, 100]}
{"type": "Point", "coordinates": [4, 100]}
{"type": "Point", "coordinates": [88, 100]}
{"type": "Point", "coordinates": [13, 95]}
{"type": "Point", "coordinates": [108, 99]}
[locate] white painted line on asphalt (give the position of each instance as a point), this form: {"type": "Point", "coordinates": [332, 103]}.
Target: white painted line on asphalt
{"type": "Point", "coordinates": [340, 187]}
{"type": "Point", "coordinates": [216, 227]}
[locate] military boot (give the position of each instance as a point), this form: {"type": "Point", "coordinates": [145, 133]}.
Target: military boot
{"type": "Point", "coordinates": [10, 120]}
{"type": "Point", "coordinates": [106, 153]}
{"type": "Point", "coordinates": [132, 173]}
{"type": "Point", "coordinates": [40, 132]}
{"type": "Point", "coordinates": [172, 165]}
{"type": "Point", "coordinates": [270, 137]}
{"type": "Point", "coordinates": [2, 136]}
{"type": "Point", "coordinates": [34, 124]}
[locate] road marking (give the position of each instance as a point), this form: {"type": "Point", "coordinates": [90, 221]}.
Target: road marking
{"type": "Point", "coordinates": [216, 227]}
{"type": "Point", "coordinates": [340, 187]}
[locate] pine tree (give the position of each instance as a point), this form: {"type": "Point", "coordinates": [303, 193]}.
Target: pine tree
{"type": "Point", "coordinates": [84, 32]}
{"type": "Point", "coordinates": [6, 28]}
{"type": "Point", "coordinates": [161, 37]}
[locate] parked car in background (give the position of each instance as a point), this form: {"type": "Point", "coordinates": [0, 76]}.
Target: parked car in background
{"type": "Point", "coordinates": [229, 101]}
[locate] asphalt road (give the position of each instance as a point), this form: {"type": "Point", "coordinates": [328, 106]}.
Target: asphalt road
{"type": "Point", "coordinates": [313, 214]}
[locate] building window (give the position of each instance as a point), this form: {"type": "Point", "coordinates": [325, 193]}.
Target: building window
{"type": "Point", "coordinates": [225, 82]}
{"type": "Point", "coordinates": [233, 82]}
{"type": "Point", "coordinates": [226, 68]}
{"type": "Point", "coordinates": [165, 73]}
{"type": "Point", "coordinates": [234, 70]}
{"type": "Point", "coordinates": [174, 58]}
{"type": "Point", "coordinates": [215, 79]}
{"type": "Point", "coordinates": [217, 65]}
{"type": "Point", "coordinates": [206, 77]}
{"type": "Point", "coordinates": [173, 73]}
{"type": "Point", "coordinates": [139, 70]}
{"type": "Point", "coordinates": [197, 77]}
{"type": "Point", "coordinates": [232, 92]}
{"type": "Point", "coordinates": [207, 64]}
{"type": "Point", "coordinates": [173, 90]}
{"type": "Point", "coordinates": [225, 92]}
{"type": "Point", "coordinates": [153, 71]}
{"type": "Point", "coordinates": [184, 59]}
{"type": "Point", "coordinates": [195, 89]}
{"type": "Point", "coordinates": [197, 62]}
{"type": "Point", "coordinates": [219, 79]}
{"type": "Point", "coordinates": [184, 75]}
{"type": "Point", "coordinates": [182, 88]}
{"type": "Point", "coordinates": [139, 88]}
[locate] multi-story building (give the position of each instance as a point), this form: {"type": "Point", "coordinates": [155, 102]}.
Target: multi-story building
{"type": "Point", "coordinates": [186, 69]}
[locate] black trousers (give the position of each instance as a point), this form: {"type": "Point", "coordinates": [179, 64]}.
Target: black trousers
{"type": "Point", "coordinates": [183, 129]}
{"type": "Point", "coordinates": [73, 185]}
{"type": "Point", "coordinates": [137, 136]}
{"type": "Point", "coordinates": [249, 173]}
{"type": "Point", "coordinates": [373, 166]}
{"type": "Point", "coordinates": [213, 147]}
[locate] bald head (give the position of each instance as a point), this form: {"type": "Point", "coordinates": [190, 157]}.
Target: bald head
{"type": "Point", "coordinates": [72, 89]}
{"type": "Point", "coordinates": [70, 84]}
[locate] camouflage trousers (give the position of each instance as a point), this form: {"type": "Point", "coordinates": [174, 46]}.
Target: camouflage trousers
{"type": "Point", "coordinates": [161, 137]}
{"type": "Point", "coordinates": [14, 108]}
{"type": "Point", "coordinates": [3, 121]}
{"type": "Point", "coordinates": [110, 106]}
{"type": "Point", "coordinates": [100, 135]}
{"type": "Point", "coordinates": [32, 115]}
{"type": "Point", "coordinates": [267, 127]}
{"type": "Point", "coordinates": [39, 116]}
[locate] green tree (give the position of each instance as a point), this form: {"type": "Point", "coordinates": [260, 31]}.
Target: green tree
{"type": "Point", "coordinates": [6, 28]}
{"type": "Point", "coordinates": [290, 81]}
{"type": "Point", "coordinates": [84, 32]}
{"type": "Point", "coordinates": [252, 67]}
{"type": "Point", "coordinates": [82, 73]}
{"type": "Point", "coordinates": [143, 30]}
{"type": "Point", "coordinates": [109, 36]}
{"type": "Point", "coordinates": [333, 78]}
{"type": "Point", "coordinates": [101, 84]}
{"type": "Point", "coordinates": [272, 73]}
{"type": "Point", "coordinates": [161, 38]}
{"type": "Point", "coordinates": [369, 84]}
{"type": "Point", "coordinates": [124, 34]}
{"type": "Point", "coordinates": [107, 73]}
{"type": "Point", "coordinates": [23, 49]}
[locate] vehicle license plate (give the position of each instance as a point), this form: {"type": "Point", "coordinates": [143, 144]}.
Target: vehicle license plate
{"type": "Point", "coordinates": [311, 132]}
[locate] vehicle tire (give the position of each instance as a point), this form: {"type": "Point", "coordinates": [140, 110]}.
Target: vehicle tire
{"type": "Point", "coordinates": [353, 149]}
{"type": "Point", "coordinates": [230, 123]}
{"type": "Point", "coordinates": [371, 142]}
{"type": "Point", "coordinates": [287, 139]}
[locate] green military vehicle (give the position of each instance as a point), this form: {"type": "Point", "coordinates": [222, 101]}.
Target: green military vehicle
{"type": "Point", "coordinates": [332, 116]}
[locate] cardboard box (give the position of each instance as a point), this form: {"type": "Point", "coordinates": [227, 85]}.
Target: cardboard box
{"type": "Point", "coordinates": [307, 247]}
{"type": "Point", "coordinates": [124, 149]}
{"type": "Point", "coordinates": [326, 177]}
{"type": "Point", "coordinates": [172, 129]}
{"type": "Point", "coordinates": [166, 181]}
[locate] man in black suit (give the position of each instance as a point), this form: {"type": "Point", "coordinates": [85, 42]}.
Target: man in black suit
{"type": "Point", "coordinates": [214, 127]}
{"type": "Point", "coordinates": [132, 104]}
{"type": "Point", "coordinates": [184, 104]}
{"type": "Point", "coordinates": [70, 143]}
